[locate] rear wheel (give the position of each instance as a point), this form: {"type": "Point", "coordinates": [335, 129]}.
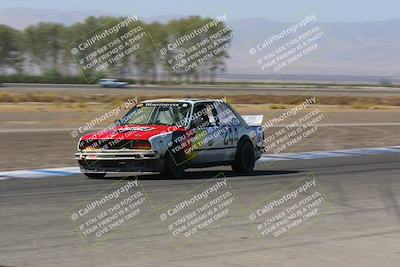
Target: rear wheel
{"type": "Point", "coordinates": [245, 158]}
{"type": "Point", "coordinates": [95, 175]}
{"type": "Point", "coordinates": [174, 165]}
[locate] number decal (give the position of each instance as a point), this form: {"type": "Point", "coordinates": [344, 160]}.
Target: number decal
{"type": "Point", "coordinates": [230, 136]}
{"type": "Point", "coordinates": [236, 134]}
{"type": "Point", "coordinates": [226, 137]}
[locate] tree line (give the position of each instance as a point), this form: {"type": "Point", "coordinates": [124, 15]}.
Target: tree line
{"type": "Point", "coordinates": [42, 50]}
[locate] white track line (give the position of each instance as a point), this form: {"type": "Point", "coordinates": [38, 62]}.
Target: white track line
{"type": "Point", "coordinates": [70, 171]}
{"type": "Point", "coordinates": [331, 154]}
{"type": "Point", "coordinates": [40, 173]}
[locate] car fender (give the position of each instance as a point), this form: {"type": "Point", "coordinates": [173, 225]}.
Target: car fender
{"type": "Point", "coordinates": [252, 139]}
{"type": "Point", "coordinates": [168, 141]}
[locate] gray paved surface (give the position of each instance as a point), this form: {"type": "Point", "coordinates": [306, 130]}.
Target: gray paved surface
{"type": "Point", "coordinates": [362, 228]}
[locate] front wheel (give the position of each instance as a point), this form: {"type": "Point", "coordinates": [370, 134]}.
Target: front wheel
{"type": "Point", "coordinates": [94, 175]}
{"type": "Point", "coordinates": [174, 165]}
{"type": "Point", "coordinates": [245, 158]}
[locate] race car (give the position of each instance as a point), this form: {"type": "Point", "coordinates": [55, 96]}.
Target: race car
{"type": "Point", "coordinates": [112, 83]}
{"type": "Point", "coordinates": [171, 135]}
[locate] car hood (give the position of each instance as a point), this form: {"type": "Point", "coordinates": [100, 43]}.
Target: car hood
{"type": "Point", "coordinates": [137, 132]}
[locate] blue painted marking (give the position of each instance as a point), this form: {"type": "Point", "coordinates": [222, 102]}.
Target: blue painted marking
{"type": "Point", "coordinates": [40, 173]}
{"type": "Point", "coordinates": [53, 172]}
{"type": "Point", "coordinates": [267, 158]}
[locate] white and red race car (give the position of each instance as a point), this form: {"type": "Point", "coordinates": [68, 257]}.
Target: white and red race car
{"type": "Point", "coordinates": [170, 135]}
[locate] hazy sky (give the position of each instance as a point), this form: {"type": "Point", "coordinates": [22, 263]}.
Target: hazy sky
{"type": "Point", "coordinates": [278, 10]}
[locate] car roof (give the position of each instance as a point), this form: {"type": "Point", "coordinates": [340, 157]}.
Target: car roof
{"type": "Point", "coordinates": [183, 100]}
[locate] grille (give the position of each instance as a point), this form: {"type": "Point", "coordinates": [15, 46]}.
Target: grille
{"type": "Point", "coordinates": [105, 144]}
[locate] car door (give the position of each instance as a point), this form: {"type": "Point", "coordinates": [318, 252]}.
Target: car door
{"type": "Point", "coordinates": [208, 136]}
{"type": "Point", "coordinates": [233, 129]}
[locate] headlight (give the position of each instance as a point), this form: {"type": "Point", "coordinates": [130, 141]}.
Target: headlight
{"type": "Point", "coordinates": [89, 144]}
{"type": "Point", "coordinates": [82, 144]}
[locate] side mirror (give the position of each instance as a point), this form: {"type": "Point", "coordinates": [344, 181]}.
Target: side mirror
{"type": "Point", "coordinates": [118, 122]}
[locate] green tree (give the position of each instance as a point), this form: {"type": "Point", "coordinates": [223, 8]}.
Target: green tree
{"type": "Point", "coordinates": [148, 59]}
{"type": "Point", "coordinates": [9, 50]}
{"type": "Point", "coordinates": [179, 28]}
{"type": "Point", "coordinates": [45, 44]}
{"type": "Point", "coordinates": [48, 47]}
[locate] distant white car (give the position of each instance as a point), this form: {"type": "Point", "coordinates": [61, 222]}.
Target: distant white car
{"type": "Point", "coordinates": [112, 83]}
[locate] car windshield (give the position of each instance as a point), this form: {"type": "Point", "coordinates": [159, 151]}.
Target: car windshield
{"type": "Point", "coordinates": [158, 113]}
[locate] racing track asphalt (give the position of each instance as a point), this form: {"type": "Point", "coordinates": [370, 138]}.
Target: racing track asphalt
{"type": "Point", "coordinates": [361, 229]}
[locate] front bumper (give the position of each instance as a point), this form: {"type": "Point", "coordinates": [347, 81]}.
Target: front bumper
{"type": "Point", "coordinates": [119, 161]}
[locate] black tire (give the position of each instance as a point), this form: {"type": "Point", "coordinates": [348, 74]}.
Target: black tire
{"type": "Point", "coordinates": [174, 165]}
{"type": "Point", "coordinates": [245, 158]}
{"type": "Point", "coordinates": [94, 175]}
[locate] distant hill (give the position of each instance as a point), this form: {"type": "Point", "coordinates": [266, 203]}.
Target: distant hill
{"type": "Point", "coordinates": [370, 48]}
{"type": "Point", "coordinates": [359, 49]}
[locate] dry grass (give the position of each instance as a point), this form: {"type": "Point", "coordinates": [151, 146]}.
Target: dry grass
{"type": "Point", "coordinates": [362, 105]}
{"type": "Point", "coordinates": [275, 101]}
{"type": "Point", "coordinates": [277, 106]}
